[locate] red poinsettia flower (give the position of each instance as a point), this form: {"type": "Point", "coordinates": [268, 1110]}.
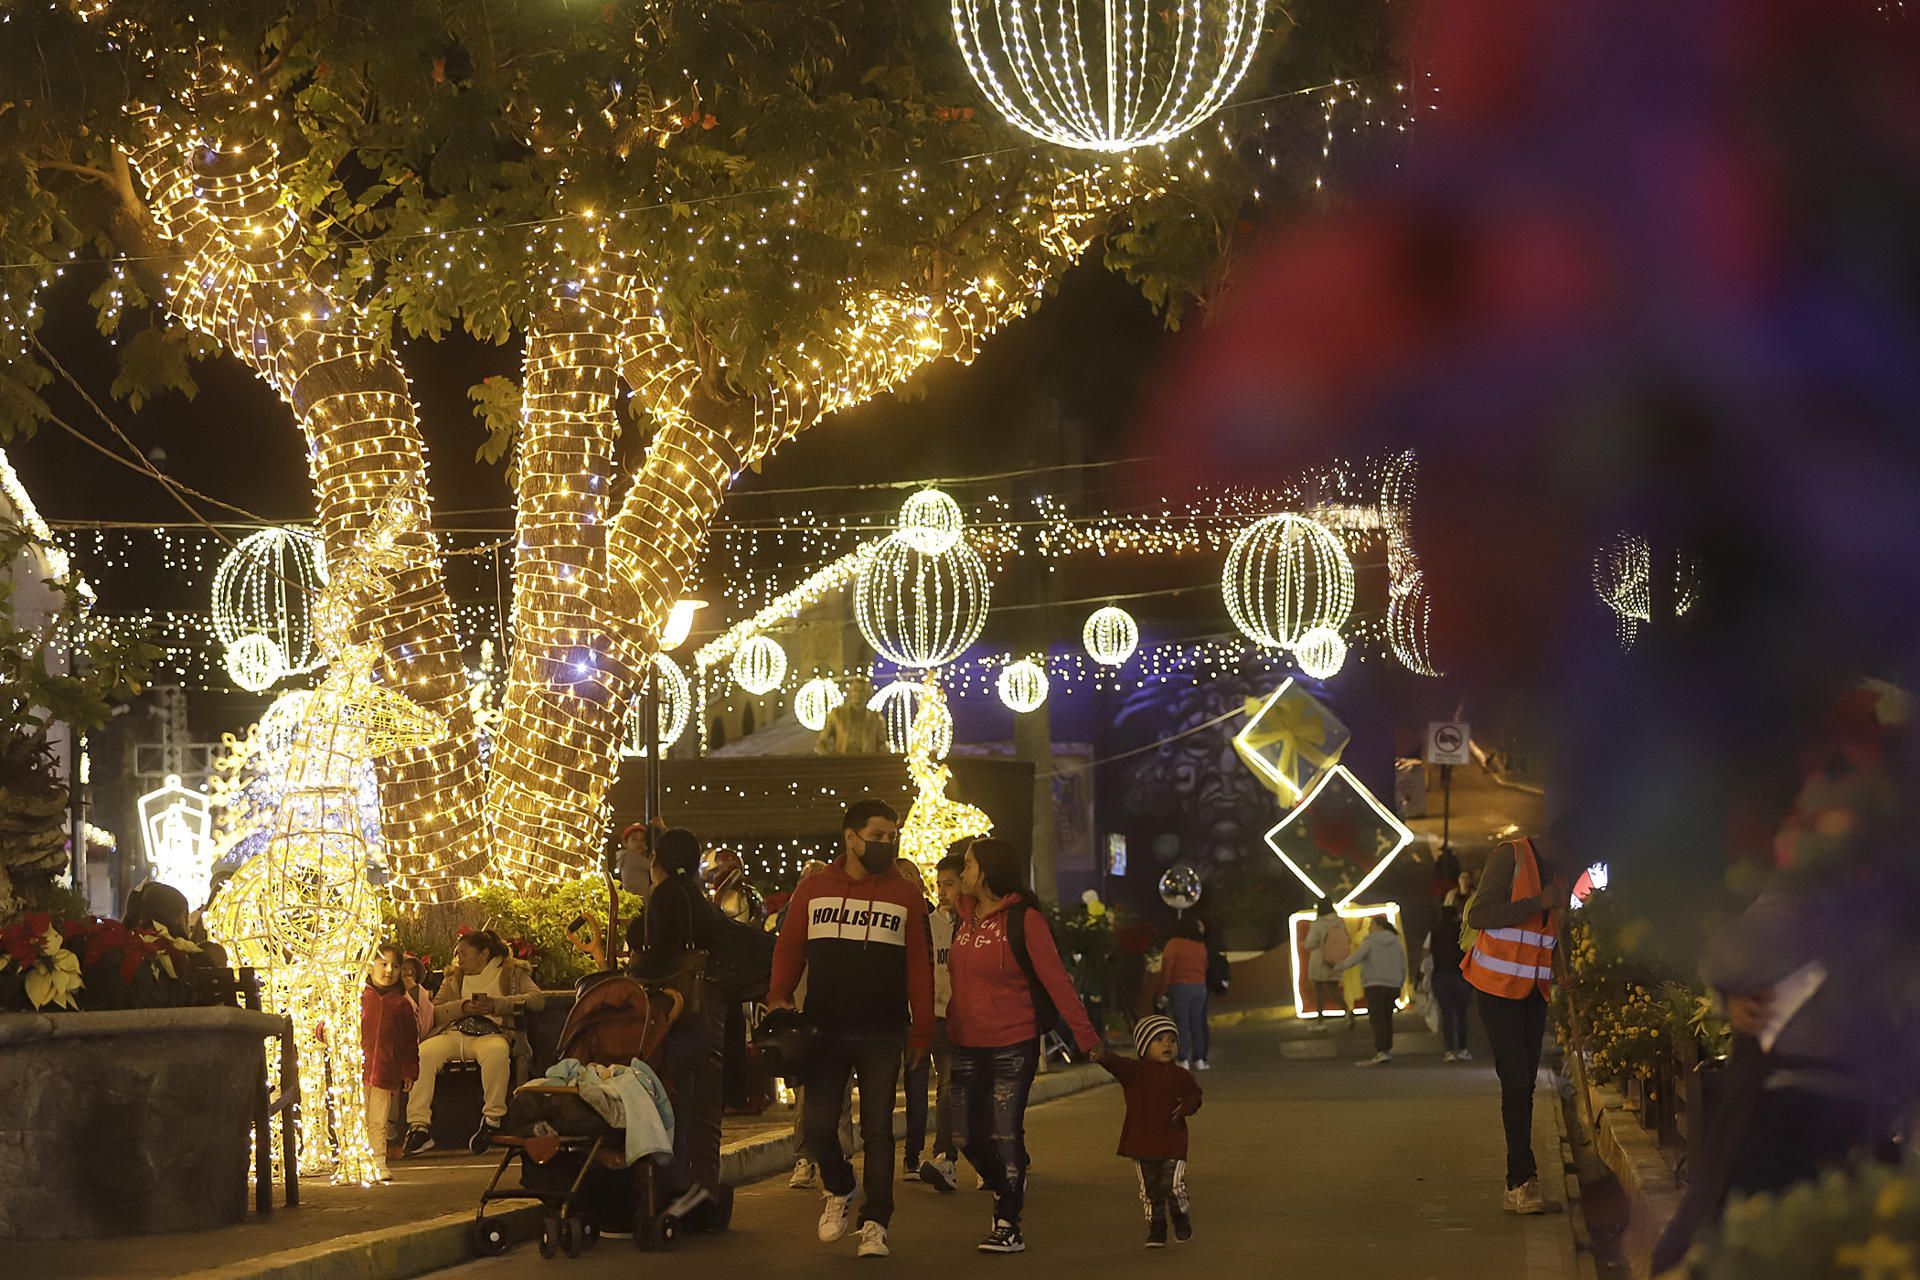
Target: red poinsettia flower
{"type": "Point", "coordinates": [22, 947]}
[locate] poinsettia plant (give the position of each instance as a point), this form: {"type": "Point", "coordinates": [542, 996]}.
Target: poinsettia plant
{"type": "Point", "coordinates": [92, 963]}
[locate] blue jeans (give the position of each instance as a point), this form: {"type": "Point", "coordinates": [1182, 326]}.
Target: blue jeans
{"type": "Point", "coordinates": [936, 1069]}
{"type": "Point", "coordinates": [875, 1061]}
{"type": "Point", "coordinates": [992, 1086]}
{"type": "Point", "coordinates": [1187, 1006]}
{"type": "Point", "coordinates": [1453, 995]}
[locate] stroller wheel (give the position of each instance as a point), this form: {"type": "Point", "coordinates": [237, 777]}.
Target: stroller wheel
{"type": "Point", "coordinates": [488, 1239]}
{"type": "Point", "coordinates": [662, 1231]}
{"type": "Point", "coordinates": [589, 1235]}
{"type": "Point", "coordinates": [716, 1214]}
{"type": "Point", "coordinates": [549, 1236]}
{"type": "Point", "coordinates": [572, 1237]}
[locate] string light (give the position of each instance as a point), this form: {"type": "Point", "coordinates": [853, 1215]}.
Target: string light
{"type": "Point", "coordinates": [266, 587]}
{"type": "Point", "coordinates": [815, 701]}
{"type": "Point", "coordinates": [1623, 576]}
{"type": "Point", "coordinates": [1287, 575]}
{"type": "Point", "coordinates": [1022, 685]}
{"type": "Point", "coordinates": [1409, 611]}
{"type": "Point", "coordinates": [1107, 75]}
{"type": "Point", "coordinates": [1110, 635]}
{"type": "Point", "coordinates": [760, 665]}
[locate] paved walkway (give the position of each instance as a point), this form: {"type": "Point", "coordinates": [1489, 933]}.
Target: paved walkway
{"type": "Point", "coordinates": [1301, 1166]}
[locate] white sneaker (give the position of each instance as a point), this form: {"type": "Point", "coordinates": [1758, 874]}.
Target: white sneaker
{"type": "Point", "coordinates": [1448, 1056]}
{"type": "Point", "coordinates": [1201, 1064]}
{"type": "Point", "coordinates": [1463, 1056]}
{"type": "Point", "coordinates": [836, 1214]}
{"type": "Point", "coordinates": [1186, 1064]}
{"type": "Point", "coordinates": [873, 1241]}
{"type": "Point", "coordinates": [1525, 1199]}
{"type": "Point", "coordinates": [806, 1175]}
{"type": "Point", "coordinates": [1377, 1060]}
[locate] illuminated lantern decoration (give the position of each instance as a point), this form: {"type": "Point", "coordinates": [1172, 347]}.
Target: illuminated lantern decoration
{"type": "Point", "coordinates": [177, 826]}
{"type": "Point", "coordinates": [1111, 635]}
{"type": "Point", "coordinates": [815, 702]}
{"type": "Point", "coordinates": [268, 586]}
{"type": "Point", "coordinates": [1321, 653]}
{"type": "Point", "coordinates": [930, 521]}
{"type": "Point", "coordinates": [899, 706]}
{"type": "Point", "coordinates": [1022, 685]}
{"type": "Point", "coordinates": [1104, 76]}
{"type": "Point", "coordinates": [760, 665]}
{"type": "Point", "coordinates": [675, 708]}
{"type": "Point", "coordinates": [255, 663]}
{"type": "Point", "coordinates": [1286, 575]}
{"type": "Point", "coordinates": [920, 608]}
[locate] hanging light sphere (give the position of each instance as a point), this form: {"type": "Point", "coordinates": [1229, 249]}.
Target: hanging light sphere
{"type": "Point", "coordinates": [255, 663]}
{"type": "Point", "coordinates": [919, 608]}
{"type": "Point", "coordinates": [899, 703]}
{"type": "Point", "coordinates": [1286, 575]}
{"type": "Point", "coordinates": [930, 521]}
{"type": "Point", "coordinates": [815, 702]}
{"type": "Point", "coordinates": [268, 586]}
{"type": "Point", "coordinates": [1321, 653]}
{"type": "Point", "coordinates": [1022, 685]}
{"type": "Point", "coordinates": [1180, 887]}
{"type": "Point", "coordinates": [281, 720]}
{"type": "Point", "coordinates": [760, 665]}
{"type": "Point", "coordinates": [675, 707]}
{"type": "Point", "coordinates": [1106, 76]}
{"type": "Point", "coordinates": [1111, 635]}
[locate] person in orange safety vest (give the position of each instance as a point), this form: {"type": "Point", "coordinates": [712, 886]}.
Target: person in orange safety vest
{"type": "Point", "coordinates": [1510, 965]}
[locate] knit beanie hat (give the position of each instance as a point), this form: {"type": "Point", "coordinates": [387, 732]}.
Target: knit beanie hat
{"type": "Point", "coordinates": [1150, 1026]}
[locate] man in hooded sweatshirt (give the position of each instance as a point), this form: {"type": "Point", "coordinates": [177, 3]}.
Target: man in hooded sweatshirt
{"type": "Point", "coordinates": [858, 932]}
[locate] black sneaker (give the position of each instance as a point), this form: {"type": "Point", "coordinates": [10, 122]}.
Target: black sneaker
{"type": "Point", "coordinates": [417, 1140]}
{"type": "Point", "coordinates": [483, 1137]}
{"type": "Point", "coordinates": [1005, 1238]}
{"type": "Point", "coordinates": [938, 1173]}
{"type": "Point", "coordinates": [1157, 1231]}
{"type": "Point", "coordinates": [1182, 1224]}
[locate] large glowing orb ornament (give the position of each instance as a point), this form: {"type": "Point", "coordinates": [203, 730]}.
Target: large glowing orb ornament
{"type": "Point", "coordinates": [1022, 685]}
{"type": "Point", "coordinates": [256, 663]}
{"type": "Point", "coordinates": [760, 665]}
{"type": "Point", "coordinates": [1107, 75]}
{"type": "Point", "coordinates": [1111, 635]}
{"type": "Point", "coordinates": [930, 521]}
{"type": "Point", "coordinates": [1181, 887]}
{"type": "Point", "coordinates": [267, 586]}
{"type": "Point", "coordinates": [1285, 576]}
{"type": "Point", "coordinates": [920, 607]}
{"type": "Point", "coordinates": [675, 708]}
{"type": "Point", "coordinates": [1290, 741]}
{"type": "Point", "coordinates": [1321, 653]}
{"type": "Point", "coordinates": [815, 701]}
{"type": "Point", "coordinates": [900, 705]}
{"type": "Point", "coordinates": [176, 824]}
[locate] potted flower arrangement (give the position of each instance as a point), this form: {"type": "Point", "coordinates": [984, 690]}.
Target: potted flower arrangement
{"type": "Point", "coordinates": [91, 963]}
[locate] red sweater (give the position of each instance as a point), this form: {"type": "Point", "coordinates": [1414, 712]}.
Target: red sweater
{"type": "Point", "coordinates": [1183, 961]}
{"type": "Point", "coordinates": [389, 1037]}
{"type": "Point", "coordinates": [863, 946]}
{"type": "Point", "coordinates": [992, 1005]}
{"type": "Point", "coordinates": [1155, 1091]}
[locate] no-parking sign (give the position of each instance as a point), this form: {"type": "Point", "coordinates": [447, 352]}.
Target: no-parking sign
{"type": "Point", "coordinates": [1447, 742]}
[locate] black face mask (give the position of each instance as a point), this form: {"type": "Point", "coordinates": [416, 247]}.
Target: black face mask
{"type": "Point", "coordinates": [876, 856]}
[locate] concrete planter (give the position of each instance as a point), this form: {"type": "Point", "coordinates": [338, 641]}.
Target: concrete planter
{"type": "Point", "coordinates": [126, 1122]}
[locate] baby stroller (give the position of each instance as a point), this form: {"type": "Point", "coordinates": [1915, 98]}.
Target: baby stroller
{"type": "Point", "coordinates": [571, 1160]}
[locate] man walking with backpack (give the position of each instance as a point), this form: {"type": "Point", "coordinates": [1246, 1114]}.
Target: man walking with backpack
{"type": "Point", "coordinates": [858, 931]}
{"type": "Point", "coordinates": [1510, 965]}
{"type": "Point", "coordinates": [1009, 989]}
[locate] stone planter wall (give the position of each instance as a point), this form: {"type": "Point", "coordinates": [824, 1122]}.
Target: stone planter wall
{"type": "Point", "coordinates": [126, 1122]}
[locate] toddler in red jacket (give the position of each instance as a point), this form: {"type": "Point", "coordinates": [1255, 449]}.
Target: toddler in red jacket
{"type": "Point", "coordinates": [389, 1046]}
{"type": "Point", "coordinates": [1161, 1094]}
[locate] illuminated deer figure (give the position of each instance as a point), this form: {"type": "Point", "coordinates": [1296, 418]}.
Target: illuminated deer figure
{"type": "Point", "coordinates": [301, 911]}
{"type": "Point", "coordinates": [936, 819]}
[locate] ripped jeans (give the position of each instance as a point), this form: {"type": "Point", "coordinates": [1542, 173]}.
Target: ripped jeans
{"type": "Point", "coordinates": [991, 1086]}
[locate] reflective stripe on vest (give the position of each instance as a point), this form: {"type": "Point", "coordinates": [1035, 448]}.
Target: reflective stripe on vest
{"type": "Point", "coordinates": [1511, 961]}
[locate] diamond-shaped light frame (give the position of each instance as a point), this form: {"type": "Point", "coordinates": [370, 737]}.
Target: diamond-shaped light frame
{"type": "Point", "coordinates": [1396, 828]}
{"type": "Point", "coordinates": [1288, 703]}
{"type": "Point", "coordinates": [1296, 935]}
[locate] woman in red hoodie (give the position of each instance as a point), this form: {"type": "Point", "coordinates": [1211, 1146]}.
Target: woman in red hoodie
{"type": "Point", "coordinates": [1009, 987]}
